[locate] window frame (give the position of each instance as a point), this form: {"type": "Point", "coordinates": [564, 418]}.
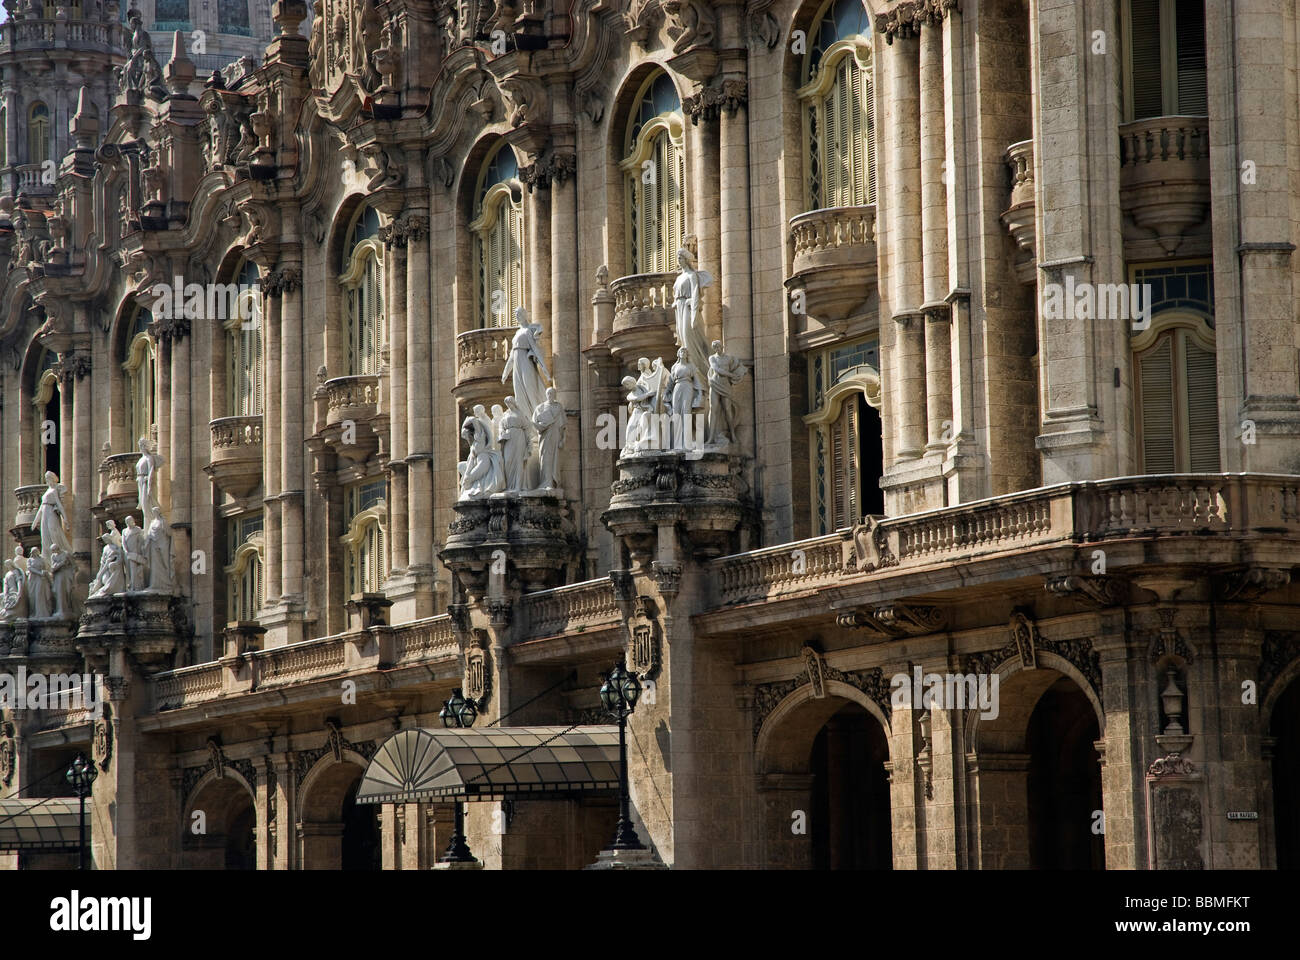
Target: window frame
{"type": "Point", "coordinates": [637, 150]}
{"type": "Point", "coordinates": [39, 132]}
{"type": "Point", "coordinates": [864, 380]}
{"type": "Point", "coordinates": [1179, 325]}
{"type": "Point", "coordinates": [140, 367]}
{"type": "Point", "coordinates": [491, 212]}
{"type": "Point", "coordinates": [250, 552]}
{"type": "Point", "coordinates": [1168, 60]}
{"type": "Point", "coordinates": [374, 517]}
{"type": "Point", "coordinates": [44, 390]}
{"type": "Point", "coordinates": [366, 253]}
{"type": "Point", "coordinates": [813, 97]}
{"type": "Point", "coordinates": [246, 354]}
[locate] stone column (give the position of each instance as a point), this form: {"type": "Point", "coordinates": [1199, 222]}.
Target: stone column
{"type": "Point", "coordinates": [538, 207]}
{"type": "Point", "coordinates": [272, 453]}
{"type": "Point", "coordinates": [420, 412]}
{"type": "Point", "coordinates": [736, 266]}
{"type": "Point", "coordinates": [398, 509]}
{"type": "Point", "coordinates": [83, 467]}
{"type": "Point", "coordinates": [934, 238]}
{"type": "Point", "coordinates": [181, 462]}
{"type": "Point", "coordinates": [938, 377]}
{"type": "Point", "coordinates": [703, 211]}
{"type": "Point", "coordinates": [292, 472]}
{"type": "Point", "coordinates": [566, 342]}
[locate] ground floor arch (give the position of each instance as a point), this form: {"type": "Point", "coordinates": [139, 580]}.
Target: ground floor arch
{"type": "Point", "coordinates": [334, 831]}
{"type": "Point", "coordinates": [1284, 731]}
{"type": "Point", "coordinates": [219, 828]}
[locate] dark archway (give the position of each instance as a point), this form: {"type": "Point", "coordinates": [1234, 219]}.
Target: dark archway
{"type": "Point", "coordinates": [849, 823]}
{"type": "Point", "coordinates": [361, 849]}
{"type": "Point", "coordinates": [1285, 729]}
{"type": "Point", "coordinates": [1064, 782]}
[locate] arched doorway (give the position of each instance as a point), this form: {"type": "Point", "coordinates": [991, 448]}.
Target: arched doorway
{"type": "Point", "coordinates": [335, 832]}
{"type": "Point", "coordinates": [1036, 775]}
{"type": "Point", "coordinates": [1284, 728]}
{"type": "Point", "coordinates": [849, 820]}
{"type": "Point", "coordinates": [219, 831]}
{"type": "Point", "coordinates": [822, 782]}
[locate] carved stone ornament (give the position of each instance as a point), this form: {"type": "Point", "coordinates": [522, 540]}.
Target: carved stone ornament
{"type": "Point", "coordinates": [476, 684]}
{"type": "Point", "coordinates": [667, 577]}
{"type": "Point", "coordinates": [334, 739]}
{"type": "Point", "coordinates": [1173, 765]}
{"type": "Point", "coordinates": [691, 23]}
{"type": "Point", "coordinates": [870, 548]}
{"type": "Point", "coordinates": [549, 168]}
{"type": "Point", "coordinates": [894, 619]}
{"type": "Point", "coordinates": [729, 95]}
{"type": "Point", "coordinates": [216, 757]}
{"type": "Point", "coordinates": [102, 743]}
{"type": "Point", "coordinates": [871, 682]}
{"type": "Point", "coordinates": [643, 640]}
{"type": "Point", "coordinates": [1025, 636]}
{"type": "Point", "coordinates": [8, 753]}
{"type": "Point", "coordinates": [1100, 591]}
{"type": "Point", "coordinates": [907, 18]}
{"type": "Point", "coordinates": [812, 661]}
{"type": "Point", "coordinates": [1253, 583]}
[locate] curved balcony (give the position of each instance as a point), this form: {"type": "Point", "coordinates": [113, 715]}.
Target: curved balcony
{"type": "Point", "coordinates": [1164, 178]}
{"type": "Point", "coordinates": [236, 465]}
{"type": "Point", "coordinates": [28, 502]}
{"type": "Point", "coordinates": [351, 414]}
{"type": "Point", "coordinates": [117, 490]}
{"type": "Point", "coordinates": [1019, 215]}
{"type": "Point", "coordinates": [480, 358]}
{"type": "Point", "coordinates": [643, 317]}
{"type": "Point", "coordinates": [834, 260]}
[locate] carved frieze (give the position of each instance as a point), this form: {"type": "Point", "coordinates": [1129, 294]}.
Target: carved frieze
{"type": "Point", "coordinates": [872, 682]}
{"type": "Point", "coordinates": [907, 18]}
{"type": "Point", "coordinates": [894, 619]}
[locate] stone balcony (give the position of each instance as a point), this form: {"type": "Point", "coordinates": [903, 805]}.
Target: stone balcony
{"type": "Point", "coordinates": [644, 321]}
{"type": "Point", "coordinates": [236, 465]}
{"type": "Point", "coordinates": [834, 264]}
{"type": "Point", "coordinates": [53, 34]}
{"type": "Point", "coordinates": [1164, 183]}
{"type": "Point", "coordinates": [1019, 215]}
{"type": "Point", "coordinates": [26, 178]}
{"type": "Point", "coordinates": [350, 418]}
{"type": "Point", "coordinates": [117, 490]}
{"type": "Point", "coordinates": [480, 358]}
{"type": "Point", "coordinates": [28, 502]}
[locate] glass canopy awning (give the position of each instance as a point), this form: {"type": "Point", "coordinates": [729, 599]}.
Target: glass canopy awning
{"type": "Point", "coordinates": [492, 763]}
{"type": "Point", "coordinates": [40, 824]}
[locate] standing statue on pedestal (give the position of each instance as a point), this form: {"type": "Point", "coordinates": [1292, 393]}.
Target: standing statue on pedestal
{"type": "Point", "coordinates": [134, 547]}
{"type": "Point", "coordinates": [549, 419]}
{"type": "Point", "coordinates": [162, 577]}
{"type": "Point", "coordinates": [40, 587]}
{"type": "Point", "coordinates": [14, 598]}
{"type": "Point", "coordinates": [686, 396]}
{"type": "Point", "coordinates": [690, 327]}
{"type": "Point", "coordinates": [724, 373]}
{"type": "Point", "coordinates": [146, 479]}
{"type": "Point", "coordinates": [516, 448]}
{"type": "Point", "coordinates": [50, 517]}
{"type": "Point", "coordinates": [63, 570]}
{"type": "Point", "coordinates": [525, 365]}
{"type": "Point", "coordinates": [20, 559]}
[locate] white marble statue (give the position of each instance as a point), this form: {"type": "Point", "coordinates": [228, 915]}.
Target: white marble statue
{"type": "Point", "coordinates": [14, 597]}
{"type": "Point", "coordinates": [134, 549]}
{"type": "Point", "coordinates": [20, 559]}
{"type": "Point", "coordinates": [110, 535]}
{"type": "Point", "coordinates": [685, 397]}
{"type": "Point", "coordinates": [652, 377]}
{"type": "Point", "coordinates": [111, 578]}
{"type": "Point", "coordinates": [549, 420]}
{"type": "Point", "coordinates": [63, 571]}
{"type": "Point", "coordinates": [481, 472]}
{"type": "Point", "coordinates": [40, 587]}
{"type": "Point", "coordinates": [525, 367]}
{"type": "Point", "coordinates": [513, 433]}
{"type": "Point", "coordinates": [690, 327]}
{"type": "Point", "coordinates": [724, 373]}
{"type": "Point", "coordinates": [50, 517]}
{"type": "Point", "coordinates": [146, 479]}
{"type": "Point", "coordinates": [162, 578]}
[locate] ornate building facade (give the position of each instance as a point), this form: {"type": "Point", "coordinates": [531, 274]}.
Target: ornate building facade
{"type": "Point", "coordinates": [994, 569]}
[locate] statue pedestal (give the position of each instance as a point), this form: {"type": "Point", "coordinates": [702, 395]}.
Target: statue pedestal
{"type": "Point", "coordinates": [47, 645]}
{"type": "Point", "coordinates": [148, 625]}
{"type": "Point", "coordinates": [534, 531]}
{"type": "Point", "coordinates": [627, 860]}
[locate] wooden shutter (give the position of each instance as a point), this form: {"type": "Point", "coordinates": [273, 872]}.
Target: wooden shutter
{"type": "Point", "coordinates": [1144, 68]}
{"type": "Point", "coordinates": [1156, 383]}
{"type": "Point", "coordinates": [1190, 57]}
{"type": "Point", "coordinates": [844, 467]}
{"type": "Point", "coordinates": [1202, 409]}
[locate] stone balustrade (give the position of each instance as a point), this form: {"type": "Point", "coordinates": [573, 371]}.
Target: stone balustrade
{"type": "Point", "coordinates": [1164, 177]}
{"type": "Point", "coordinates": [351, 398]}
{"type": "Point", "coordinates": [1161, 139]}
{"type": "Point", "coordinates": [419, 642]}
{"type": "Point", "coordinates": [1019, 215]}
{"type": "Point", "coordinates": [480, 357]}
{"type": "Point", "coordinates": [236, 464]}
{"type": "Point", "coordinates": [787, 568]}
{"type": "Point", "coordinates": [643, 317]}
{"type": "Point", "coordinates": [117, 490]}
{"type": "Point", "coordinates": [577, 606]}
{"type": "Point", "coordinates": [28, 502]}
{"type": "Point", "coordinates": [46, 34]}
{"type": "Point", "coordinates": [833, 252]}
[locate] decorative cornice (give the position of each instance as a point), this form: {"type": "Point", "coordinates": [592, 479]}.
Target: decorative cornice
{"type": "Point", "coordinates": [282, 280]}
{"type": "Point", "coordinates": [894, 619]}
{"type": "Point", "coordinates": [1103, 591]}
{"type": "Point", "coordinates": [729, 94]}
{"type": "Point", "coordinates": [907, 18]}
{"type": "Point", "coordinates": [551, 167]}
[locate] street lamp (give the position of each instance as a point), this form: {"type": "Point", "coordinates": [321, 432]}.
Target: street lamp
{"type": "Point", "coordinates": [458, 712]}
{"type": "Point", "coordinates": [81, 775]}
{"type": "Point", "coordinates": [618, 695]}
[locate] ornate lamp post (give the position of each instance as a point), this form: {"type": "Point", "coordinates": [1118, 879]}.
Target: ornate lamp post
{"type": "Point", "coordinates": [458, 712]}
{"type": "Point", "coordinates": [81, 775]}
{"type": "Point", "coordinates": [618, 695]}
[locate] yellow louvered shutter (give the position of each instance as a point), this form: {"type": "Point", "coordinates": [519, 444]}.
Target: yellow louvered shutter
{"type": "Point", "coordinates": [1202, 409]}
{"type": "Point", "coordinates": [1156, 382]}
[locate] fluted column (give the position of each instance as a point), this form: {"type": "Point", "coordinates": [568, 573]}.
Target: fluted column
{"type": "Point", "coordinates": [703, 205]}
{"type": "Point", "coordinates": [83, 467]}
{"type": "Point", "coordinates": [539, 264]}
{"type": "Point", "coordinates": [182, 458]}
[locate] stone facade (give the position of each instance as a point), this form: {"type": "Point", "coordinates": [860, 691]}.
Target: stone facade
{"type": "Point", "coordinates": [942, 479]}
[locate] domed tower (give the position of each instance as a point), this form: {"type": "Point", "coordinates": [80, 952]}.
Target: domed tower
{"type": "Point", "coordinates": [218, 32]}
{"type": "Point", "coordinates": [49, 50]}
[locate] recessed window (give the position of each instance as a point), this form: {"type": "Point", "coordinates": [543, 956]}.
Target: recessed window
{"type": "Point", "coordinates": [244, 347]}
{"type": "Point", "coordinates": [1165, 58]}
{"type": "Point", "coordinates": [498, 230]}
{"type": "Point", "coordinates": [365, 543]}
{"type": "Point", "coordinates": [655, 169]}
{"type": "Point", "coordinates": [141, 369]}
{"type": "Point", "coordinates": [1177, 398]}
{"type": "Point", "coordinates": [38, 133]}
{"type": "Point", "coordinates": [363, 290]}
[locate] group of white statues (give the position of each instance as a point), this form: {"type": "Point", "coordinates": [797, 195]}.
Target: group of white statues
{"type": "Point", "coordinates": [662, 402]}
{"type": "Point", "coordinates": [43, 585]}
{"type": "Point", "coordinates": [516, 449]}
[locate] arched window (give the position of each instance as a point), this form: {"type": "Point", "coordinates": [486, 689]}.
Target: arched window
{"type": "Point", "coordinates": [838, 96]}
{"type": "Point", "coordinates": [38, 133]}
{"type": "Point", "coordinates": [1164, 58]}
{"type": "Point", "coordinates": [49, 415]}
{"type": "Point", "coordinates": [232, 17]}
{"type": "Point", "coordinates": [1176, 391]}
{"type": "Point", "coordinates": [140, 366]}
{"type": "Point", "coordinates": [362, 281]}
{"type": "Point", "coordinates": [365, 543]}
{"type": "Point", "coordinates": [845, 435]}
{"type": "Point", "coordinates": [171, 15]}
{"type": "Point", "coordinates": [244, 347]}
{"type": "Point", "coordinates": [498, 230]}
{"type": "Point", "coordinates": [655, 168]}
{"type": "Point", "coordinates": [244, 571]}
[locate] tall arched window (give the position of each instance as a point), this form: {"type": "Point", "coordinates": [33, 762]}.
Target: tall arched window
{"type": "Point", "coordinates": [846, 439]}
{"type": "Point", "coordinates": [498, 230]}
{"type": "Point", "coordinates": [1164, 58]}
{"type": "Point", "coordinates": [140, 367]}
{"type": "Point", "coordinates": [838, 96]}
{"type": "Point", "coordinates": [244, 347]}
{"type": "Point", "coordinates": [38, 133]}
{"type": "Point", "coordinates": [244, 570]}
{"type": "Point", "coordinates": [365, 543]}
{"type": "Point", "coordinates": [1176, 390]}
{"type": "Point", "coordinates": [362, 281]}
{"type": "Point", "coordinates": [49, 415]}
{"type": "Point", "coordinates": [655, 168]}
